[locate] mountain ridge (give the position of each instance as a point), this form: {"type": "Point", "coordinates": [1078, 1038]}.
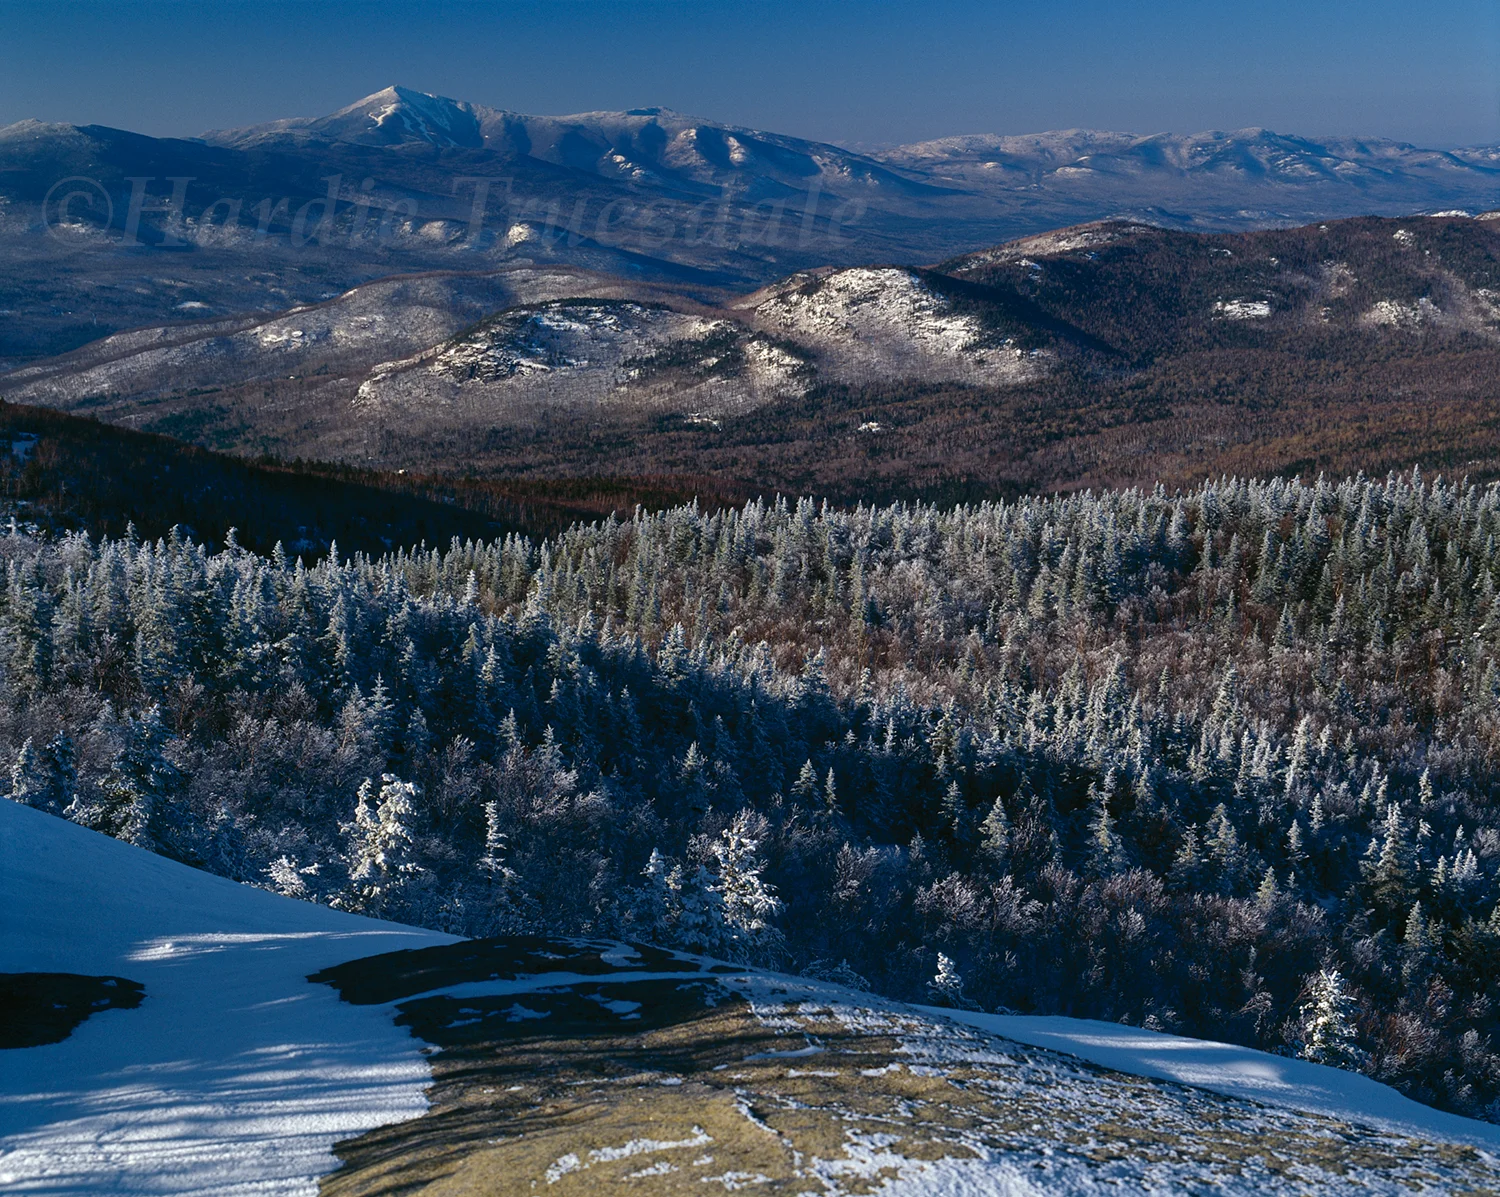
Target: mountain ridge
{"type": "Point", "coordinates": [406, 102]}
{"type": "Point", "coordinates": [380, 118]}
{"type": "Point", "coordinates": [401, 181]}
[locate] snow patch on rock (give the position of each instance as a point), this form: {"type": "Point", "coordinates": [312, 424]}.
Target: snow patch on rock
{"type": "Point", "coordinates": [236, 1075]}
{"type": "Point", "coordinates": [1243, 309]}
{"type": "Point", "coordinates": [1393, 313]}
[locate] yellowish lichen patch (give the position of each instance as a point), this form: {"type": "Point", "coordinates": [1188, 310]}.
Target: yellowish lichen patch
{"type": "Point", "coordinates": [674, 1081]}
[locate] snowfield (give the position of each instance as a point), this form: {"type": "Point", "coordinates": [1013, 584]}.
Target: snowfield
{"type": "Point", "coordinates": [236, 1075]}
{"type": "Point", "coordinates": [1237, 1072]}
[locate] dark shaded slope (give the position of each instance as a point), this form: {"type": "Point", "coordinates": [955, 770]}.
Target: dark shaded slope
{"type": "Point", "coordinates": [1150, 292]}
{"type": "Point", "coordinates": [63, 471]}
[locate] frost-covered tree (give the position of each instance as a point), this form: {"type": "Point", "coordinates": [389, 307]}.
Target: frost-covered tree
{"type": "Point", "coordinates": [1391, 873]}
{"type": "Point", "coordinates": [747, 904]}
{"type": "Point", "coordinates": [28, 779]}
{"type": "Point", "coordinates": [651, 908]}
{"type": "Point", "coordinates": [384, 869]}
{"type": "Point", "coordinates": [695, 911]}
{"type": "Point", "coordinates": [45, 778]}
{"type": "Point", "coordinates": [499, 904]}
{"type": "Point", "coordinates": [995, 833]}
{"type": "Point", "coordinates": [1326, 1032]}
{"type": "Point", "coordinates": [947, 988]}
{"type": "Point", "coordinates": [137, 800]}
{"type": "Point", "coordinates": [1107, 852]}
{"type": "Point", "coordinates": [1416, 945]}
{"type": "Point", "coordinates": [292, 880]}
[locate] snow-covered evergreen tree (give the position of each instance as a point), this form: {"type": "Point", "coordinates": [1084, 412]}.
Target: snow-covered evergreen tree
{"type": "Point", "coordinates": [28, 778]}
{"type": "Point", "coordinates": [995, 835]}
{"type": "Point", "coordinates": [292, 880]}
{"type": "Point", "coordinates": [695, 911]}
{"type": "Point", "coordinates": [384, 869]}
{"type": "Point", "coordinates": [498, 903]}
{"type": "Point", "coordinates": [1326, 1032]}
{"type": "Point", "coordinates": [947, 988]}
{"type": "Point", "coordinates": [136, 801]}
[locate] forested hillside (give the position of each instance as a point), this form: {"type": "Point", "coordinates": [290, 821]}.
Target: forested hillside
{"type": "Point", "coordinates": [62, 472]}
{"type": "Point", "coordinates": [1222, 762]}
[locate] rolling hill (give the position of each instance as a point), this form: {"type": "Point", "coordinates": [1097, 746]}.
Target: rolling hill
{"type": "Point", "coordinates": [1114, 353]}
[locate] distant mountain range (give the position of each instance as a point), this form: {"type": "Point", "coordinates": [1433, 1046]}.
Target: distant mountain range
{"type": "Point", "coordinates": [297, 211]}
{"type": "Point", "coordinates": [669, 149]}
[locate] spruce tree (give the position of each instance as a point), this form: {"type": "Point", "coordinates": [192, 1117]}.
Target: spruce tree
{"type": "Point", "coordinates": [747, 903]}
{"type": "Point", "coordinates": [382, 857]}
{"type": "Point", "coordinates": [1326, 1032]}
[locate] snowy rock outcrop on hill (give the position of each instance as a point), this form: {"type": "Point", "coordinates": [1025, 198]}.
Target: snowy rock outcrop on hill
{"type": "Point", "coordinates": [888, 322]}
{"type": "Point", "coordinates": [593, 1066]}
{"type": "Point", "coordinates": [855, 326]}
{"type": "Point", "coordinates": [592, 352]}
{"type": "Point", "coordinates": [347, 332]}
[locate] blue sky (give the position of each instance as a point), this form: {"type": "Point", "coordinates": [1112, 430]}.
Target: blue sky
{"type": "Point", "coordinates": [858, 73]}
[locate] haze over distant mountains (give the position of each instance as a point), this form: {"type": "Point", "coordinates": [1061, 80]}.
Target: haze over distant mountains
{"type": "Point", "coordinates": [1209, 179]}
{"type": "Point", "coordinates": [418, 182]}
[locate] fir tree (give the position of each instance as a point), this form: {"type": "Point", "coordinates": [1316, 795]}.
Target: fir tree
{"type": "Point", "coordinates": [995, 835]}
{"type": "Point", "coordinates": [947, 988]}
{"type": "Point", "coordinates": [747, 904]}
{"type": "Point", "coordinates": [28, 779]}
{"type": "Point", "coordinates": [382, 855]}
{"type": "Point", "coordinates": [1391, 874]}
{"type": "Point", "coordinates": [1326, 1032]}
{"type": "Point", "coordinates": [1106, 851]}
{"type": "Point", "coordinates": [137, 797]}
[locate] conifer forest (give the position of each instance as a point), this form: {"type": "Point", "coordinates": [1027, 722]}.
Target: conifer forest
{"type": "Point", "coordinates": [1224, 762]}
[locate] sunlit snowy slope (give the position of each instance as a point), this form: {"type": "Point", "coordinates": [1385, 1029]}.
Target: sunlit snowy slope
{"type": "Point", "coordinates": [1237, 1072]}
{"type": "Point", "coordinates": [235, 1075]}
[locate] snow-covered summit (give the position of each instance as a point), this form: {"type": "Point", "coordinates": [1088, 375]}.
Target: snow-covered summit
{"type": "Point", "coordinates": [393, 116]}
{"type": "Point", "coordinates": [397, 114]}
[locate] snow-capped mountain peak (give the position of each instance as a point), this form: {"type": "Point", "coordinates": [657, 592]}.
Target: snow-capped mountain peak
{"type": "Point", "coordinates": [398, 114]}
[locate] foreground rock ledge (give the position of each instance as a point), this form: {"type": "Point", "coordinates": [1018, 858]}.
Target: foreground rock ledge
{"type": "Point", "coordinates": [574, 1066]}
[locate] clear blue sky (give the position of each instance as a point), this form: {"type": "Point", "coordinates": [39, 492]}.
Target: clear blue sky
{"type": "Point", "coordinates": [870, 72]}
